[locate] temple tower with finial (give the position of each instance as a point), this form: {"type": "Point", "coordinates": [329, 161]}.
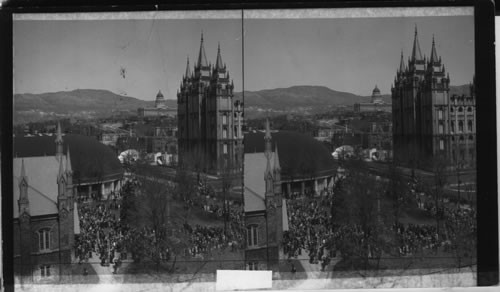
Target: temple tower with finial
{"type": "Point", "coordinates": [209, 119]}
{"type": "Point", "coordinates": [426, 121]}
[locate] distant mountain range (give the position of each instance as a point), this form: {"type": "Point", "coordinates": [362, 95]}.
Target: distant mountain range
{"type": "Point", "coordinates": [80, 103]}
{"type": "Point", "coordinates": [93, 103]}
{"type": "Point", "coordinates": [302, 96]}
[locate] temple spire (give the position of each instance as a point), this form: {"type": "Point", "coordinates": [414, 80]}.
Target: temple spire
{"type": "Point", "coordinates": [402, 63]}
{"type": "Point", "coordinates": [268, 131]}
{"type": "Point", "coordinates": [58, 133]}
{"type": "Point", "coordinates": [267, 141]}
{"type": "Point", "coordinates": [23, 179]}
{"type": "Point", "coordinates": [69, 168]}
{"type": "Point", "coordinates": [188, 70]}
{"type": "Point", "coordinates": [416, 54]}
{"type": "Point", "coordinates": [59, 141]}
{"type": "Point", "coordinates": [23, 201]}
{"type": "Point", "coordinates": [277, 166]}
{"type": "Point", "coordinates": [218, 63]}
{"type": "Point", "coordinates": [23, 171]}
{"type": "Point", "coordinates": [434, 56]}
{"type": "Point", "coordinates": [202, 57]}
{"type": "Point", "coordinates": [60, 175]}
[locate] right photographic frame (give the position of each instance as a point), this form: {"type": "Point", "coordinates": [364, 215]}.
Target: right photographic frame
{"type": "Point", "coordinates": [363, 124]}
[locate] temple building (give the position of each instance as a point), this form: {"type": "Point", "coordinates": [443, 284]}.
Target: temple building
{"type": "Point", "coordinates": [377, 104]}
{"type": "Point", "coordinates": [209, 119]}
{"type": "Point", "coordinates": [427, 121]}
{"type": "Point", "coordinates": [160, 110]}
{"type": "Point", "coordinates": [279, 166]}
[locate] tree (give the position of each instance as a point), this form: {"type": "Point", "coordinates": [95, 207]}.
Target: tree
{"type": "Point", "coordinates": [434, 188]}
{"type": "Point", "coordinates": [185, 184]}
{"type": "Point", "coordinates": [151, 215]}
{"type": "Point", "coordinates": [397, 190]}
{"type": "Point", "coordinates": [358, 213]}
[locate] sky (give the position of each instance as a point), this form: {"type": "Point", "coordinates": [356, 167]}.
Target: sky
{"type": "Point", "coordinates": [344, 54]}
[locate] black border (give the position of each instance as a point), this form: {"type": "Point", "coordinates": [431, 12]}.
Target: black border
{"type": "Point", "coordinates": [487, 198]}
{"type": "Point", "coordinates": [484, 13]}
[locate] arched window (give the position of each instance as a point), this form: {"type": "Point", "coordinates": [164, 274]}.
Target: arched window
{"type": "Point", "coordinates": [460, 109]}
{"type": "Point", "coordinates": [452, 126]}
{"type": "Point", "coordinates": [469, 126]}
{"type": "Point", "coordinates": [469, 109]}
{"type": "Point", "coordinates": [441, 127]}
{"type": "Point", "coordinates": [471, 138]}
{"type": "Point", "coordinates": [451, 109]}
{"type": "Point", "coordinates": [460, 126]}
{"type": "Point", "coordinates": [44, 239]}
{"type": "Point", "coordinates": [440, 114]}
{"type": "Point", "coordinates": [252, 235]}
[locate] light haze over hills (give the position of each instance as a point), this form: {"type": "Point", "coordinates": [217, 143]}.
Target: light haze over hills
{"type": "Point", "coordinates": [94, 103]}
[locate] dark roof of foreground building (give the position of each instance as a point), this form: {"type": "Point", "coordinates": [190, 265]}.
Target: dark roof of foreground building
{"type": "Point", "coordinates": [91, 160]}
{"type": "Point", "coordinates": [300, 156]}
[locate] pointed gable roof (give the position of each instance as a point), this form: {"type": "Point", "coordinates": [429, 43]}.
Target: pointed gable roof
{"type": "Point", "coordinates": [202, 57]}
{"type": "Point", "coordinates": [416, 53]}
{"type": "Point", "coordinates": [42, 189]}
{"type": "Point", "coordinates": [218, 63]}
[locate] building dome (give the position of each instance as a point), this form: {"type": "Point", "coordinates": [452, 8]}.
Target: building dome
{"type": "Point", "coordinates": [300, 156]}
{"type": "Point", "coordinates": [160, 100]}
{"type": "Point", "coordinates": [376, 98]}
{"type": "Point", "coordinates": [92, 161]}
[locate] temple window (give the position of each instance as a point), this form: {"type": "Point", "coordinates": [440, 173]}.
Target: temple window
{"type": "Point", "coordinates": [252, 235]}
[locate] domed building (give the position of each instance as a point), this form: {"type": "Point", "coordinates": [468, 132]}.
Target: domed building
{"type": "Point", "coordinates": [160, 109]}
{"type": "Point", "coordinates": [376, 98]}
{"type": "Point", "coordinates": [160, 101]}
{"type": "Point", "coordinates": [376, 104]}
{"type": "Point", "coordinates": [50, 174]}
{"type": "Point", "coordinates": [279, 166]}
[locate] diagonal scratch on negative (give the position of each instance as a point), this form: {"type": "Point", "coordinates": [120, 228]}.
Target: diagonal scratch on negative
{"type": "Point", "coordinates": [152, 25]}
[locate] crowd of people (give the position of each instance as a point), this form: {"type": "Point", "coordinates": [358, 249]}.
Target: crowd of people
{"type": "Point", "coordinates": [100, 232]}
{"type": "Point", "coordinates": [207, 239]}
{"type": "Point", "coordinates": [309, 219]}
{"type": "Point", "coordinates": [312, 230]}
{"type": "Point", "coordinates": [415, 238]}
